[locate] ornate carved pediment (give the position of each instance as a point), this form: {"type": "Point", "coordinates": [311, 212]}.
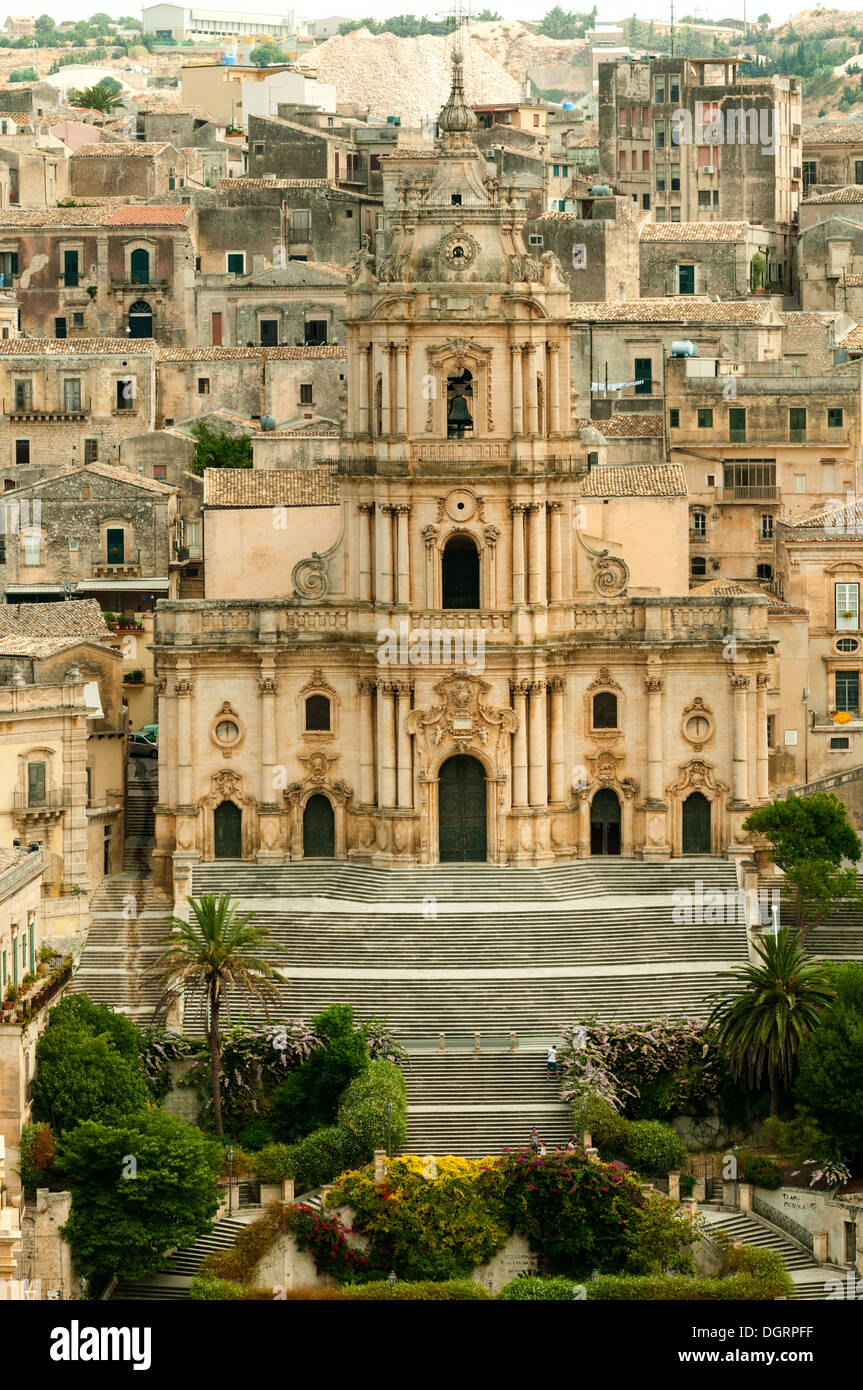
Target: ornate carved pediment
{"type": "Point", "coordinates": [318, 775]}
{"type": "Point", "coordinates": [226, 786]}
{"type": "Point", "coordinates": [462, 719]}
{"type": "Point", "coordinates": [605, 768]}
{"type": "Point", "coordinates": [604, 680]}
{"type": "Point", "coordinates": [697, 776]}
{"type": "Point", "coordinates": [317, 684]}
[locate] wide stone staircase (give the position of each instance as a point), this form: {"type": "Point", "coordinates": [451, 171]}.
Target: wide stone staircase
{"type": "Point", "coordinates": [840, 937]}
{"type": "Point", "coordinates": [475, 1104]}
{"type": "Point", "coordinates": [473, 948]}
{"type": "Point", "coordinates": [747, 1228]}
{"type": "Point", "coordinates": [126, 924]}
{"type": "Point", "coordinates": [180, 1266]}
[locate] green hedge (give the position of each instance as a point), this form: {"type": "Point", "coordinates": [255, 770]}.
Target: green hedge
{"type": "Point", "coordinates": [748, 1275]}
{"type": "Point", "coordinates": [648, 1146]}
{"type": "Point", "coordinates": [760, 1170]}
{"type": "Point", "coordinates": [206, 1288]}
{"type": "Point", "coordinates": [360, 1129]}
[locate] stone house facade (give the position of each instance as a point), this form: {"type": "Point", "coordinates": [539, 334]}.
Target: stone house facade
{"type": "Point", "coordinates": [597, 246]}
{"type": "Point", "coordinates": [715, 258]}
{"type": "Point", "coordinates": [284, 382]}
{"type": "Point", "coordinates": [110, 270]}
{"type": "Point", "coordinates": [295, 304]}
{"type": "Point", "coordinates": [70, 401]}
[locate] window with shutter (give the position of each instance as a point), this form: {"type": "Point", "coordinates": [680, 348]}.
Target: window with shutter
{"type": "Point", "coordinates": [847, 606]}
{"type": "Point", "coordinates": [35, 784]}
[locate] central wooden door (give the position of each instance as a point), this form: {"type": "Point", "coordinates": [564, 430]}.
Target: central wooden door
{"type": "Point", "coordinates": [462, 834]}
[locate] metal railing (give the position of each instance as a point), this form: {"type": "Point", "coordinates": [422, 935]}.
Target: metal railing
{"type": "Point", "coordinates": [58, 412]}
{"type": "Point", "coordinates": [746, 492]}
{"type": "Point", "coordinates": [54, 800]}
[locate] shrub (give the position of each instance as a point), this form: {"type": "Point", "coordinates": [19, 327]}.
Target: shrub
{"type": "Point", "coordinates": [310, 1097]}
{"type": "Point", "coordinates": [323, 1237]}
{"type": "Point", "coordinates": [36, 1155]}
{"type": "Point", "coordinates": [652, 1147]}
{"type": "Point", "coordinates": [606, 1125]}
{"type": "Point", "coordinates": [206, 1287]}
{"type": "Point", "coordinates": [530, 1289]}
{"type": "Point", "coordinates": [82, 1075]}
{"type": "Point", "coordinates": [275, 1162]}
{"type": "Point", "coordinates": [321, 1156]}
{"type": "Point", "coordinates": [760, 1170]}
{"type": "Point", "coordinates": [256, 1136]}
{"type": "Point", "coordinates": [362, 1109]}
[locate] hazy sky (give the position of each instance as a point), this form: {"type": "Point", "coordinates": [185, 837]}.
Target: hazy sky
{"type": "Point", "coordinates": [510, 9]}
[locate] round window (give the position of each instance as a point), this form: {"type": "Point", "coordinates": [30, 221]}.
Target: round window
{"type": "Point", "coordinates": [227, 731]}
{"type": "Point", "coordinates": [698, 728]}
{"type": "Point", "coordinates": [847, 644]}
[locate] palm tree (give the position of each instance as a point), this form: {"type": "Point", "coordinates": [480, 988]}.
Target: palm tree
{"type": "Point", "coordinates": [100, 97]}
{"type": "Point", "coordinates": [216, 951]}
{"type": "Point", "coordinates": [774, 1005]}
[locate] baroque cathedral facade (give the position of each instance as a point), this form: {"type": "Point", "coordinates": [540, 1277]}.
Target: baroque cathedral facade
{"type": "Point", "coordinates": [498, 659]}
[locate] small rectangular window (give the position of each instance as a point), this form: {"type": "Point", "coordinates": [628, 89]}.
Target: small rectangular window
{"type": "Point", "coordinates": [699, 525]}
{"type": "Point", "coordinates": [835, 417]}
{"type": "Point", "coordinates": [840, 744]}
{"type": "Point", "coordinates": [764, 571]}
{"type": "Point", "coordinates": [77, 320]}
{"type": "Point", "coordinates": [674, 418]}
{"type": "Point", "coordinates": [847, 605]}
{"type": "Point", "coordinates": [675, 214]}
{"type": "Point", "coordinates": [797, 424]}
{"type": "Point", "coordinates": [660, 179]}
{"type": "Point", "coordinates": [660, 91]}
{"type": "Point", "coordinates": [674, 94]}
{"type": "Point", "coordinates": [705, 419]}
{"type": "Point", "coordinates": [737, 425]}
{"type": "Point", "coordinates": [70, 269]}
{"type": "Point", "coordinates": [306, 393]}
{"type": "Point", "coordinates": [848, 691]}
{"type": "Point", "coordinates": [799, 482]}
{"type": "Point", "coordinates": [258, 147]}
{"type": "Point", "coordinates": [236, 262]}
{"type": "Point", "coordinates": [22, 450]}
{"type": "Point", "coordinates": [858, 171]}
{"type": "Point", "coordinates": [203, 386]}
{"type": "Point", "coordinates": [91, 450]}
{"type": "Point", "coordinates": [73, 542]}
{"type": "Point", "coordinates": [766, 528]}
{"type": "Point", "coordinates": [659, 130]}
{"type": "Point", "coordinates": [72, 395]}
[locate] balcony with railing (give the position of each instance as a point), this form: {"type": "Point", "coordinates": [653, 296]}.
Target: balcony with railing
{"type": "Point", "coordinates": [749, 492]}
{"type": "Point", "coordinates": [51, 804]}
{"type": "Point", "coordinates": [127, 568]}
{"type": "Point", "coordinates": [66, 411]}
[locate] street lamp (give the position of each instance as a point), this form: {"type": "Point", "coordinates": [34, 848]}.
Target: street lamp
{"type": "Point", "coordinates": [389, 1112]}
{"type": "Point", "coordinates": [230, 1181]}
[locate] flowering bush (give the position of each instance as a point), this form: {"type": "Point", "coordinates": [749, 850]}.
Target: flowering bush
{"type": "Point", "coordinates": [323, 1237]}
{"type": "Point", "coordinates": [659, 1069]}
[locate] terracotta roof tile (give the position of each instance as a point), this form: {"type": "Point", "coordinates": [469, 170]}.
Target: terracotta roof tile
{"type": "Point", "coordinates": [226, 354]}
{"type": "Point", "coordinates": [676, 309]}
{"type": "Point", "coordinates": [271, 487]}
{"type": "Point", "coordinates": [120, 149]}
{"type": "Point", "coordinates": [622, 426]}
{"type": "Point", "coordinates": [71, 618]}
{"type": "Point", "coordinates": [318, 185]}
{"type": "Point", "coordinates": [833, 133]}
{"type": "Point", "coordinates": [853, 341]}
{"type": "Point", "coordinates": [853, 193]}
{"type": "Point", "coordinates": [103, 470]}
{"type": "Point", "coordinates": [75, 347]}
{"type": "Point", "coordinates": [146, 216]}
{"type": "Point", "coordinates": [636, 480]}
{"type": "Point", "coordinates": [694, 231]}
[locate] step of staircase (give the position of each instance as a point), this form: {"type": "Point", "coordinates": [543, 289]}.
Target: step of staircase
{"type": "Point", "coordinates": [180, 1266]}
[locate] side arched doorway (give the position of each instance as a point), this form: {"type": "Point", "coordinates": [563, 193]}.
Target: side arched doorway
{"type": "Point", "coordinates": [696, 824]}
{"type": "Point", "coordinates": [228, 831]}
{"type": "Point", "coordinates": [140, 320]}
{"type": "Point", "coordinates": [319, 828]}
{"type": "Point", "coordinates": [605, 823]}
{"type": "Point", "coordinates": [462, 832]}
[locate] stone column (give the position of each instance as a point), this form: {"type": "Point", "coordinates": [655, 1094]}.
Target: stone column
{"type": "Point", "coordinates": [557, 792]}
{"type": "Point", "coordinates": [366, 511]}
{"type": "Point", "coordinates": [384, 555]}
{"type": "Point", "coordinates": [653, 689]}
{"type": "Point", "coordinates": [401, 411]}
{"type": "Point", "coordinates": [517, 511]}
{"type": "Point", "coordinates": [386, 744]}
{"type": "Point", "coordinates": [403, 564]}
{"type": "Point", "coordinates": [267, 687]}
{"type": "Point", "coordinates": [405, 762]}
{"type": "Point", "coordinates": [538, 754]}
{"type": "Point", "coordinates": [538, 562]}
{"type": "Point", "coordinates": [184, 689]}
{"type": "Point", "coordinates": [386, 424]}
{"type": "Point", "coordinates": [519, 744]}
{"type": "Point", "coordinates": [532, 392]}
{"type": "Point", "coordinates": [740, 685]}
{"type": "Point", "coordinates": [517, 407]}
{"type": "Point", "coordinates": [556, 567]}
{"type": "Point", "coordinates": [367, 743]}
{"type": "Point", "coordinates": [553, 393]}
{"type": "Point", "coordinates": [363, 368]}
{"type": "Point", "coordinates": [762, 749]}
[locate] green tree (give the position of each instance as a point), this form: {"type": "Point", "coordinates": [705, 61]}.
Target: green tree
{"type": "Point", "coordinates": [139, 1187]}
{"type": "Point", "coordinates": [764, 22]}
{"type": "Point", "coordinates": [24, 75]}
{"type": "Point", "coordinates": [221, 450]}
{"type": "Point", "coordinates": [265, 53]}
{"type": "Point", "coordinates": [216, 953]}
{"type": "Point", "coordinates": [99, 98]}
{"type": "Point", "coordinates": [82, 1075]}
{"type": "Point", "coordinates": [44, 28]}
{"type": "Point", "coordinates": [830, 1081]}
{"type": "Point", "coordinates": [558, 24]}
{"type": "Point", "coordinates": [309, 1099]}
{"type": "Point", "coordinates": [772, 1007]}
{"type": "Point", "coordinates": [810, 838]}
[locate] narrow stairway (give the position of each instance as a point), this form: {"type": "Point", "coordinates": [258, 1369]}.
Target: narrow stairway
{"type": "Point", "coordinates": [810, 1279]}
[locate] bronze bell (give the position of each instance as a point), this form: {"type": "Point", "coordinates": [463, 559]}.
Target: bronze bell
{"type": "Point", "coordinates": [458, 413]}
